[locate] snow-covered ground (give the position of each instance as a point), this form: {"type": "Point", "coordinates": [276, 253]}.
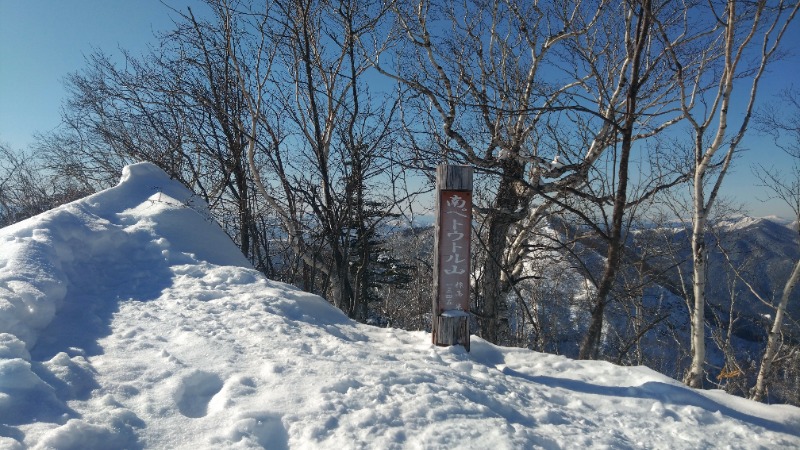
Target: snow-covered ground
{"type": "Point", "coordinates": [129, 320]}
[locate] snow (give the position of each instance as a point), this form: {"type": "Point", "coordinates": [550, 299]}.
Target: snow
{"type": "Point", "coordinates": [454, 313]}
{"type": "Point", "coordinates": [129, 320]}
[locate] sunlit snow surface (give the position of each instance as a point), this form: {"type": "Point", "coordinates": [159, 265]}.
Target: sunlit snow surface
{"type": "Point", "coordinates": [129, 320]}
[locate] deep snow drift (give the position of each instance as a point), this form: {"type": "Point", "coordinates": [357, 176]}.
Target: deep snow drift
{"type": "Point", "coordinates": [129, 320]}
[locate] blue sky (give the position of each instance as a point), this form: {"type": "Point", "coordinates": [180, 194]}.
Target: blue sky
{"type": "Point", "coordinates": [41, 41]}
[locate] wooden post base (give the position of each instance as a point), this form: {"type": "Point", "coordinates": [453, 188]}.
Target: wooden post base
{"type": "Point", "coordinates": [452, 328]}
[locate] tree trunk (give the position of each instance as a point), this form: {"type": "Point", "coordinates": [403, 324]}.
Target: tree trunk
{"type": "Point", "coordinates": [361, 278]}
{"type": "Point", "coordinates": [694, 377]}
{"type": "Point", "coordinates": [591, 342]}
{"type": "Point", "coordinates": [245, 218]}
{"type": "Point", "coordinates": [342, 289]}
{"type": "Point", "coordinates": [493, 328]}
{"type": "Point", "coordinates": [774, 336]}
{"type": "Point", "coordinates": [494, 323]}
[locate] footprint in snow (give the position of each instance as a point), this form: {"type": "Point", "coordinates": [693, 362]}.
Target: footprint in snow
{"type": "Point", "coordinates": [195, 392]}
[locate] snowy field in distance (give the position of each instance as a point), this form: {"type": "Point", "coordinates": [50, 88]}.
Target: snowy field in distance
{"type": "Point", "coordinates": [129, 320]}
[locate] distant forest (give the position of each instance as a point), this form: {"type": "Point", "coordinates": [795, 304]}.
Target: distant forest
{"type": "Point", "coordinates": [599, 131]}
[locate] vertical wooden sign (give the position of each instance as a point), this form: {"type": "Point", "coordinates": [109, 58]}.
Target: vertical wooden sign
{"type": "Point", "coordinates": [451, 285]}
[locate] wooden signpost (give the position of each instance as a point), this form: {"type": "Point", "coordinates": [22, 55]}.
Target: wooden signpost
{"type": "Point", "coordinates": [451, 262]}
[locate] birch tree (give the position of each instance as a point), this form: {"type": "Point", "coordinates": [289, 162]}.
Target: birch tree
{"type": "Point", "coordinates": [782, 124]}
{"type": "Point", "coordinates": [739, 31]}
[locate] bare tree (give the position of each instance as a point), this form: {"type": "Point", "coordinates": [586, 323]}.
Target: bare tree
{"type": "Point", "coordinates": [784, 124]}
{"type": "Point", "coordinates": [318, 130]}
{"type": "Point", "coordinates": [481, 93]}
{"type": "Point", "coordinates": [534, 96]}
{"type": "Point", "coordinates": [635, 70]}
{"type": "Point", "coordinates": [178, 107]}
{"type": "Point", "coordinates": [735, 34]}
{"type": "Point", "coordinates": [28, 188]}
{"type": "Point", "coordinates": [265, 110]}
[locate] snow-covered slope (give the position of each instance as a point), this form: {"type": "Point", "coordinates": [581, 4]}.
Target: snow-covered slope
{"type": "Point", "coordinates": [129, 320]}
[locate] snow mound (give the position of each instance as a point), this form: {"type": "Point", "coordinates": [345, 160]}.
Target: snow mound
{"type": "Point", "coordinates": [98, 239]}
{"type": "Point", "coordinates": [129, 320]}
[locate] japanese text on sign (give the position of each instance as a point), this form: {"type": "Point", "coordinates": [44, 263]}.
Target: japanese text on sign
{"type": "Point", "coordinates": [454, 250]}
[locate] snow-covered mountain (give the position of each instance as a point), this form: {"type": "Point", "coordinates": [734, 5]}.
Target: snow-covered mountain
{"type": "Point", "coordinates": [129, 320]}
{"type": "Point", "coordinates": [657, 260]}
{"type": "Point", "coordinates": [762, 251]}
